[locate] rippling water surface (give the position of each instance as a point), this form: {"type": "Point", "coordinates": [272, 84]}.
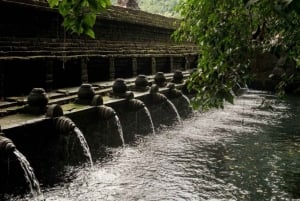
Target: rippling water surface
{"type": "Point", "coordinates": [248, 151]}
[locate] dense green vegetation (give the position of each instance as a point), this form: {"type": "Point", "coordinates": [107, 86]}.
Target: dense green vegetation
{"type": "Point", "coordinates": [229, 33]}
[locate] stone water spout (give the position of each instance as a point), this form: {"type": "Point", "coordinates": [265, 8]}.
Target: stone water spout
{"type": "Point", "coordinates": [156, 96]}
{"type": "Point", "coordinates": [173, 92]}
{"type": "Point", "coordinates": [135, 105]}
{"type": "Point", "coordinates": [176, 96]}
{"type": "Point", "coordinates": [6, 145]}
{"type": "Point", "coordinates": [106, 112]}
{"type": "Point", "coordinates": [138, 105]}
{"type": "Point", "coordinates": [133, 112]}
{"type": "Point", "coordinates": [159, 98]}
{"type": "Point", "coordinates": [64, 125]}
{"type": "Point", "coordinates": [54, 110]}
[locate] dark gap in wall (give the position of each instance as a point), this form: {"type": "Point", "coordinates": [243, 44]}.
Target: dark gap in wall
{"type": "Point", "coordinates": [20, 76]}
{"type": "Point", "coordinates": [123, 67]}
{"type": "Point", "coordinates": [178, 63]}
{"type": "Point", "coordinates": [163, 64]}
{"type": "Point", "coordinates": [144, 66]}
{"type": "Point", "coordinates": [98, 69]}
{"type": "Point", "coordinates": [67, 74]}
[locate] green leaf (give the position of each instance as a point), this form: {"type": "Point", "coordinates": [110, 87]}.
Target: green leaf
{"type": "Point", "coordinates": [103, 4]}
{"type": "Point", "coordinates": [79, 15]}
{"type": "Point", "coordinates": [90, 33]}
{"type": "Point", "coordinates": [90, 19]}
{"type": "Point", "coordinates": [53, 3]}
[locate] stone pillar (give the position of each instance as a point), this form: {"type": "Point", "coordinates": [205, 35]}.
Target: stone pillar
{"type": "Point", "coordinates": [171, 63]}
{"type": "Point", "coordinates": [84, 71]}
{"type": "Point", "coordinates": [134, 66]}
{"type": "Point", "coordinates": [1, 85]}
{"type": "Point", "coordinates": [153, 65]}
{"type": "Point", "coordinates": [49, 76]}
{"type": "Point", "coordinates": [187, 63]}
{"type": "Point", "coordinates": [112, 69]}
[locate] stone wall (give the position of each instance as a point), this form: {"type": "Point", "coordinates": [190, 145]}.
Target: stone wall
{"type": "Point", "coordinates": [268, 70]}
{"type": "Point", "coordinates": [35, 51]}
{"type": "Point", "coordinates": [31, 19]}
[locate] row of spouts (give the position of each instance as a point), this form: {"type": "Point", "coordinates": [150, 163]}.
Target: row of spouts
{"type": "Point", "coordinates": [37, 100]}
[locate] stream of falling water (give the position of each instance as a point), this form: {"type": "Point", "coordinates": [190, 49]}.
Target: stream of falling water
{"type": "Point", "coordinates": [120, 130]}
{"type": "Point", "coordinates": [30, 177]}
{"type": "Point", "coordinates": [84, 145]}
{"type": "Point", "coordinates": [186, 99]}
{"type": "Point", "coordinates": [150, 119]}
{"type": "Point", "coordinates": [175, 110]}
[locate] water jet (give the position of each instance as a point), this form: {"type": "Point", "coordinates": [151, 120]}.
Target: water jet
{"type": "Point", "coordinates": [180, 101]}
{"type": "Point", "coordinates": [66, 126]}
{"type": "Point", "coordinates": [8, 147]}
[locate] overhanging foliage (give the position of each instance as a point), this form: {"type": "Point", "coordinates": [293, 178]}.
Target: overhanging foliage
{"type": "Point", "coordinates": [228, 34]}
{"type": "Point", "coordinates": [80, 15]}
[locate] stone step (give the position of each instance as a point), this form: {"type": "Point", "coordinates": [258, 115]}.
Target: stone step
{"type": "Point", "coordinates": [39, 47]}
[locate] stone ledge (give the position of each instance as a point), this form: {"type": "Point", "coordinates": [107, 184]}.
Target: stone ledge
{"type": "Point", "coordinates": [31, 48]}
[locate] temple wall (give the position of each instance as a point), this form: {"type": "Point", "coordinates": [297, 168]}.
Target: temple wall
{"type": "Point", "coordinates": [35, 51]}
{"type": "Point", "coordinates": [32, 22]}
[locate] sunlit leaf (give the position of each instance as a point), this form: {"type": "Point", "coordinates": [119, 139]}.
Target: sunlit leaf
{"type": "Point", "coordinates": [90, 33]}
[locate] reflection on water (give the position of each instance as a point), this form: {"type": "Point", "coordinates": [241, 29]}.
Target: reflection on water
{"type": "Point", "coordinates": [244, 152]}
